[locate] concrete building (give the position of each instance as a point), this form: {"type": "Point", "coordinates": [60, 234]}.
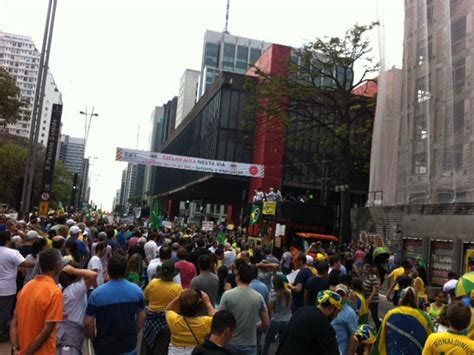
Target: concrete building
{"type": "Point", "coordinates": [71, 153]}
{"type": "Point", "coordinates": [132, 187]}
{"type": "Point", "coordinates": [20, 58]}
{"type": "Point", "coordinates": [188, 86]}
{"type": "Point", "coordinates": [225, 52]}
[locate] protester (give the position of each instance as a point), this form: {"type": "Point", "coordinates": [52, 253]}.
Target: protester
{"type": "Point", "coordinates": [206, 280]}
{"type": "Point", "coordinates": [95, 263]}
{"type": "Point", "coordinates": [316, 284]}
{"type": "Point", "coordinates": [298, 286]}
{"type": "Point", "coordinates": [393, 280]}
{"type": "Point", "coordinates": [39, 245]}
{"type": "Point", "coordinates": [158, 294]}
{"type": "Point", "coordinates": [224, 284]}
{"type": "Point", "coordinates": [345, 324]}
{"type": "Point", "coordinates": [279, 308]}
{"type": "Point", "coordinates": [10, 261]}
{"type": "Point", "coordinates": [187, 271]}
{"type": "Point", "coordinates": [310, 331]}
{"type": "Point", "coordinates": [75, 283]}
{"type": "Point", "coordinates": [453, 341]}
{"type": "Point", "coordinates": [134, 269]}
{"type": "Point", "coordinates": [222, 329]}
{"type": "Point", "coordinates": [363, 340]}
{"type": "Point", "coordinates": [371, 283]}
{"type": "Point", "coordinates": [115, 312]}
{"type": "Point", "coordinates": [187, 328]}
{"type": "Point", "coordinates": [38, 310]}
{"type": "Point", "coordinates": [435, 308]}
{"type": "Point", "coordinates": [246, 305]}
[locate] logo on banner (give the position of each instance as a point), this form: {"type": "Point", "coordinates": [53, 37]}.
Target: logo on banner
{"type": "Point", "coordinates": [253, 170]}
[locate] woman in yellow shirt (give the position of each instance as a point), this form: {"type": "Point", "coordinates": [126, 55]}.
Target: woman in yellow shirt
{"type": "Point", "coordinates": [187, 328]}
{"type": "Point", "coordinates": [158, 294]}
{"type": "Point", "coordinates": [419, 285]}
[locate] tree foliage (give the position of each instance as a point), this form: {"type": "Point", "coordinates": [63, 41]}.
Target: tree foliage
{"type": "Point", "coordinates": [11, 103]}
{"type": "Point", "coordinates": [313, 100]}
{"type": "Point", "coordinates": [12, 169]}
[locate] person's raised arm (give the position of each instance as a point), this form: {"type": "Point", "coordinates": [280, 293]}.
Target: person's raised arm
{"type": "Point", "coordinates": [89, 276]}
{"type": "Point", "coordinates": [207, 302]}
{"type": "Point", "coordinates": [173, 305]}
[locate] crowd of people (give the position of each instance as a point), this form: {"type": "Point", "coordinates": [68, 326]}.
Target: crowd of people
{"type": "Point", "coordinates": [68, 283]}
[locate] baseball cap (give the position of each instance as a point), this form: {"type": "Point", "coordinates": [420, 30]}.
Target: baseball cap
{"type": "Point", "coordinates": [167, 271]}
{"type": "Point", "coordinates": [74, 230]}
{"type": "Point", "coordinates": [70, 222]}
{"type": "Point", "coordinates": [32, 235]}
{"type": "Point", "coordinates": [342, 288]}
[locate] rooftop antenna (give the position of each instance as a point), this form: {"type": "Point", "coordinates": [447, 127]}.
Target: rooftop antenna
{"type": "Point", "coordinates": [227, 18]}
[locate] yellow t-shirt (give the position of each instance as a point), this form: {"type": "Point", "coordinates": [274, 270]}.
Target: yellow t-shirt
{"type": "Point", "coordinates": [395, 274]}
{"type": "Point", "coordinates": [181, 335]}
{"type": "Point", "coordinates": [160, 293]}
{"type": "Point", "coordinates": [448, 344]}
{"type": "Point", "coordinates": [470, 329]}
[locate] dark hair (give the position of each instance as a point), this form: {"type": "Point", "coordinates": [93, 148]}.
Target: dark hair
{"type": "Point", "coordinates": [408, 298]}
{"type": "Point", "coordinates": [182, 253]}
{"type": "Point", "coordinates": [334, 259]}
{"type": "Point", "coordinates": [301, 257]}
{"type": "Point", "coordinates": [200, 243]}
{"type": "Point", "coordinates": [49, 260]}
{"type": "Point", "coordinates": [345, 279]}
{"type": "Point", "coordinates": [204, 262]}
{"type": "Point", "coordinates": [66, 279]}
{"type": "Point", "coordinates": [255, 271]}
{"type": "Point", "coordinates": [37, 246]}
{"type": "Point", "coordinates": [100, 246]}
{"type": "Point", "coordinates": [322, 268]}
{"type": "Point", "coordinates": [458, 315]}
{"type": "Point", "coordinates": [406, 264]}
{"type": "Point", "coordinates": [245, 274]}
{"type": "Point", "coordinates": [219, 251]}
{"type": "Point", "coordinates": [71, 244]}
{"type": "Point", "coordinates": [5, 237]}
{"type": "Point", "coordinates": [58, 243]}
{"type": "Point", "coordinates": [117, 266]}
{"type": "Point", "coordinates": [452, 275]}
{"type": "Point", "coordinates": [357, 285]}
{"type": "Point", "coordinates": [334, 277]}
{"type": "Point", "coordinates": [110, 233]}
{"type": "Point", "coordinates": [165, 253]}
{"type": "Point", "coordinates": [190, 302]}
{"type": "Point", "coordinates": [282, 294]}
{"type": "Point", "coordinates": [221, 321]}
{"type": "Point", "coordinates": [222, 274]}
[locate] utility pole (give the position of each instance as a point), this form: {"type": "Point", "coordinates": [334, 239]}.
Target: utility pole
{"type": "Point", "coordinates": [28, 179]}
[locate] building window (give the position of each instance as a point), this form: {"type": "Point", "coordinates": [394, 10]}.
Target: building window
{"type": "Point", "coordinates": [255, 53]}
{"type": "Point", "coordinates": [458, 115]}
{"type": "Point", "coordinates": [420, 164]}
{"type": "Point", "coordinates": [458, 29]}
{"type": "Point", "coordinates": [229, 56]}
{"type": "Point", "coordinates": [211, 54]}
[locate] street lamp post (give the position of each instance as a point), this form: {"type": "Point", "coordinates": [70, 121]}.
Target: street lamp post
{"type": "Point", "coordinates": [342, 211]}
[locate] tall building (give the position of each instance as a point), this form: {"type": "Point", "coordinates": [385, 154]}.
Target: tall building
{"type": "Point", "coordinates": [188, 86]}
{"type": "Point", "coordinates": [436, 148]}
{"type": "Point", "coordinates": [71, 153]}
{"type": "Point", "coordinates": [20, 58]}
{"type": "Point", "coordinates": [226, 52]}
{"type": "Point", "coordinates": [169, 113]}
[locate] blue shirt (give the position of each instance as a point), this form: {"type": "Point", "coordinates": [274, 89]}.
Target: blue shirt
{"type": "Point", "coordinates": [122, 240]}
{"type": "Point", "coordinates": [345, 325]}
{"type": "Point", "coordinates": [115, 306]}
{"type": "Point", "coordinates": [261, 288]}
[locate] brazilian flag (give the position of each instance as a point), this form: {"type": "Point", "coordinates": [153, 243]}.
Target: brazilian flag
{"type": "Point", "coordinates": [221, 238]}
{"type": "Point", "coordinates": [155, 218]}
{"type": "Point", "coordinates": [404, 330]}
{"type": "Point", "coordinates": [255, 214]}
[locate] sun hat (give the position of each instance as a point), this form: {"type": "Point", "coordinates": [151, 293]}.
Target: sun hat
{"type": "Point", "coordinates": [167, 271]}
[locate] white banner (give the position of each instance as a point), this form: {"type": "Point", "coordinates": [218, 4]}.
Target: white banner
{"type": "Point", "coordinates": [189, 163]}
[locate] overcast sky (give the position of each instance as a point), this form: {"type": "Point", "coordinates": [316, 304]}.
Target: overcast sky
{"type": "Point", "coordinates": [126, 56]}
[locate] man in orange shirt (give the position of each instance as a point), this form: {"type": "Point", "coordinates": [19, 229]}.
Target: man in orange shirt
{"type": "Point", "coordinates": [39, 307]}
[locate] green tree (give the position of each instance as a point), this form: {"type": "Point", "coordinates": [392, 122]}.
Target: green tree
{"type": "Point", "coordinates": [313, 100]}
{"type": "Point", "coordinates": [11, 103]}
{"type": "Point", "coordinates": [12, 168]}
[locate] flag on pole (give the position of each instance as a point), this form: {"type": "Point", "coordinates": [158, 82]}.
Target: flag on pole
{"type": "Point", "coordinates": [155, 218]}
{"type": "Point", "coordinates": [255, 214]}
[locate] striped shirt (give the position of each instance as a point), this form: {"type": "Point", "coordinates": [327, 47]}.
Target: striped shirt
{"type": "Point", "coordinates": [369, 283]}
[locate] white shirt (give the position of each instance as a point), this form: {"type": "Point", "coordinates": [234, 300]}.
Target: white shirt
{"type": "Point", "coordinates": [151, 249]}
{"type": "Point", "coordinates": [75, 302]}
{"type": "Point", "coordinates": [151, 271]}
{"type": "Point", "coordinates": [10, 259]}
{"type": "Point", "coordinates": [95, 264]}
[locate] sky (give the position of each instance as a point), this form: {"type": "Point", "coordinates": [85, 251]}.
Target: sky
{"type": "Point", "coordinates": [124, 57]}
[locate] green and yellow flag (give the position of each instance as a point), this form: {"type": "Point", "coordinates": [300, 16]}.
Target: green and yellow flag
{"type": "Point", "coordinates": [155, 218]}
{"type": "Point", "coordinates": [255, 214]}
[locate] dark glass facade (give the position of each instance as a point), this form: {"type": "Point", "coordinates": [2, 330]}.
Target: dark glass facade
{"type": "Point", "coordinates": [212, 130]}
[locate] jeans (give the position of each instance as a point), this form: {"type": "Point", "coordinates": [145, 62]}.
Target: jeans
{"type": "Point", "coordinates": [6, 305]}
{"type": "Point", "coordinates": [374, 311]}
{"type": "Point", "coordinates": [276, 327]}
{"type": "Point", "coordinates": [244, 349]}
